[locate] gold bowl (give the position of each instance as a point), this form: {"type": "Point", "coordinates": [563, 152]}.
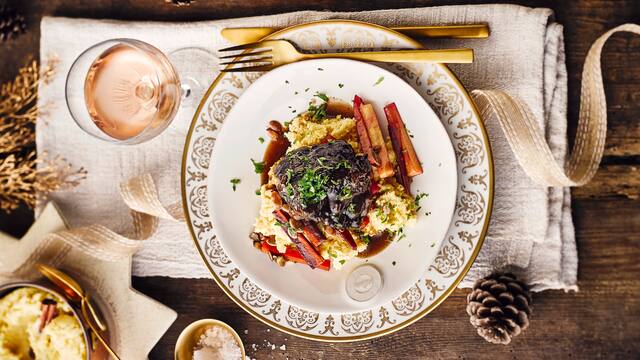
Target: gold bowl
{"type": "Point", "coordinates": [190, 336]}
{"type": "Point", "coordinates": [94, 351]}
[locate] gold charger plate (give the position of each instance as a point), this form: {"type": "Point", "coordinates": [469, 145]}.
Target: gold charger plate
{"type": "Point", "coordinates": [451, 102]}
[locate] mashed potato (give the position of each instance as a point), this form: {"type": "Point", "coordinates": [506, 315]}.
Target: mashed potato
{"type": "Point", "coordinates": [338, 251]}
{"type": "Point", "coordinates": [266, 223]}
{"type": "Point", "coordinates": [391, 210]}
{"type": "Point", "coordinates": [303, 131]}
{"type": "Point", "coordinates": [20, 312]}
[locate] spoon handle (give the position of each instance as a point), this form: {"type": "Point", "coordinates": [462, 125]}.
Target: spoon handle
{"type": "Point", "coordinates": [93, 328]}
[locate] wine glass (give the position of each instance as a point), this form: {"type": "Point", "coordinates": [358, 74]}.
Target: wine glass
{"type": "Point", "coordinates": [126, 91]}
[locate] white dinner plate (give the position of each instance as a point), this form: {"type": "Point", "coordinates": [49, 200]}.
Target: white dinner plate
{"type": "Point", "coordinates": [281, 94]}
{"type": "Point", "coordinates": [274, 296]}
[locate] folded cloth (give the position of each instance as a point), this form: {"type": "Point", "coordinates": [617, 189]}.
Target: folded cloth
{"type": "Point", "coordinates": [531, 231]}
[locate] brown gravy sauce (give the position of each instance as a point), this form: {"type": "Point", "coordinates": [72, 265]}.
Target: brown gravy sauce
{"type": "Point", "coordinates": [376, 245]}
{"type": "Point", "coordinates": [274, 151]}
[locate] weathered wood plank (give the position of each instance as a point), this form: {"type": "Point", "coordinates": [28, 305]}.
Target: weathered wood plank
{"type": "Point", "coordinates": [597, 322]}
{"type": "Point", "coordinates": [594, 322]}
{"type": "Point", "coordinates": [612, 180]}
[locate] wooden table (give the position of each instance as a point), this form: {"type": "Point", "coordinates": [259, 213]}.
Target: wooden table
{"type": "Point", "coordinates": [602, 320]}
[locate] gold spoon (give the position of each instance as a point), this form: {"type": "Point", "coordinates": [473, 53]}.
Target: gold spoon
{"type": "Point", "coordinates": [74, 292]}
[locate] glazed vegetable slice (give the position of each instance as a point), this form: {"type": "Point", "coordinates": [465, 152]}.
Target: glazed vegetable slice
{"type": "Point", "coordinates": [295, 256]}
{"type": "Point", "coordinates": [385, 169]}
{"type": "Point", "coordinates": [363, 134]}
{"type": "Point", "coordinates": [292, 255]}
{"type": "Point", "coordinates": [308, 252]}
{"type": "Point", "coordinates": [313, 234]}
{"type": "Point", "coordinates": [346, 236]}
{"type": "Point", "coordinates": [402, 176]}
{"type": "Point", "coordinates": [408, 153]}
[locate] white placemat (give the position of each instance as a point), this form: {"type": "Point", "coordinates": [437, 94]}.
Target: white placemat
{"type": "Point", "coordinates": [531, 231]}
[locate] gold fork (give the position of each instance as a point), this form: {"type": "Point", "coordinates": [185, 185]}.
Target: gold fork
{"type": "Point", "coordinates": [273, 53]}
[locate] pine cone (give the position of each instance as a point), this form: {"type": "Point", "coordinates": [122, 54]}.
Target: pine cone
{"type": "Point", "coordinates": [499, 307]}
{"type": "Point", "coordinates": [12, 23]}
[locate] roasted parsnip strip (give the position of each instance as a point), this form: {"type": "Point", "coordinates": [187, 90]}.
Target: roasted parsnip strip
{"type": "Point", "coordinates": [385, 169]}
{"type": "Point", "coordinates": [363, 134]}
{"type": "Point", "coordinates": [411, 160]}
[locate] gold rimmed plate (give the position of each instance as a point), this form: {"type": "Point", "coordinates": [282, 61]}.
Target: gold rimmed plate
{"type": "Point", "coordinates": [455, 252]}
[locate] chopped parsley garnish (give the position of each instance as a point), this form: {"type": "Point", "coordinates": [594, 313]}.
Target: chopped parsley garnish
{"type": "Point", "coordinates": [340, 86]}
{"type": "Point", "coordinates": [286, 123]}
{"type": "Point", "coordinates": [258, 192]}
{"type": "Point", "coordinates": [234, 182]}
{"type": "Point", "coordinates": [351, 208]}
{"type": "Point", "coordinates": [366, 239]}
{"type": "Point", "coordinates": [258, 166]}
{"type": "Point", "coordinates": [343, 164]}
{"type": "Point", "coordinates": [318, 111]}
{"type": "Point", "coordinates": [345, 193]}
{"type": "Point", "coordinates": [261, 140]}
{"type": "Point", "coordinates": [400, 234]}
{"type": "Point", "coordinates": [322, 96]}
{"type": "Point", "coordinates": [380, 79]}
{"type": "Point", "coordinates": [342, 262]}
{"type": "Point", "coordinates": [419, 197]}
{"type": "Point", "coordinates": [312, 187]}
{"type": "Point", "coordinates": [332, 254]}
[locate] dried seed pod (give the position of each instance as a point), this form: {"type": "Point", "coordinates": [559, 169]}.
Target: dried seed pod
{"type": "Point", "coordinates": [499, 307]}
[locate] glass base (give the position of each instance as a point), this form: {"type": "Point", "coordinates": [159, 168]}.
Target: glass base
{"type": "Point", "coordinates": [196, 68]}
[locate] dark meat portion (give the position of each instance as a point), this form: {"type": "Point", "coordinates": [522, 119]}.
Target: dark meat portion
{"type": "Point", "coordinates": [326, 183]}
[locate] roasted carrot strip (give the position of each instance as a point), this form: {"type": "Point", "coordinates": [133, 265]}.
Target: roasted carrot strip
{"type": "Point", "coordinates": [346, 236]}
{"type": "Point", "coordinates": [309, 253]}
{"type": "Point", "coordinates": [295, 256]}
{"type": "Point", "coordinates": [363, 134]}
{"type": "Point", "coordinates": [402, 176]}
{"type": "Point", "coordinates": [408, 153]}
{"type": "Point", "coordinates": [313, 234]}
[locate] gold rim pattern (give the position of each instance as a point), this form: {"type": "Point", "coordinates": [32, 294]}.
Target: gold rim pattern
{"type": "Point", "coordinates": [449, 99]}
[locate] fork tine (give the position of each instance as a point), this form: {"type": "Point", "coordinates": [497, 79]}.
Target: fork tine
{"type": "Point", "coordinates": [261, 52]}
{"type": "Point", "coordinates": [258, 60]}
{"type": "Point", "coordinates": [254, 45]}
{"type": "Point", "coordinates": [250, 68]}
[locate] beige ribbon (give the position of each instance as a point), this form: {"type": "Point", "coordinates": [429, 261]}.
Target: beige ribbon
{"type": "Point", "coordinates": [527, 140]}
{"type": "Point", "coordinates": [516, 119]}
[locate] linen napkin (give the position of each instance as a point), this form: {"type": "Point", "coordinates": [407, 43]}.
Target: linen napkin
{"type": "Point", "coordinates": [531, 231]}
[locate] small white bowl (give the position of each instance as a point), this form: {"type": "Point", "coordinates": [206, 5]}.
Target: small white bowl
{"type": "Point", "coordinates": [190, 336]}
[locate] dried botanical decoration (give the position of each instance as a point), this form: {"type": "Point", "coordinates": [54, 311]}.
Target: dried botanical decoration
{"type": "Point", "coordinates": [29, 179]}
{"type": "Point", "coordinates": [179, 2]}
{"type": "Point", "coordinates": [18, 106]}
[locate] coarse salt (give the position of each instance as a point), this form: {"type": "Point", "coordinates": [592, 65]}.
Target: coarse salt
{"type": "Point", "coordinates": [217, 343]}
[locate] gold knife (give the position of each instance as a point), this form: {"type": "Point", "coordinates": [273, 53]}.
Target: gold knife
{"type": "Point", "coordinates": [245, 35]}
